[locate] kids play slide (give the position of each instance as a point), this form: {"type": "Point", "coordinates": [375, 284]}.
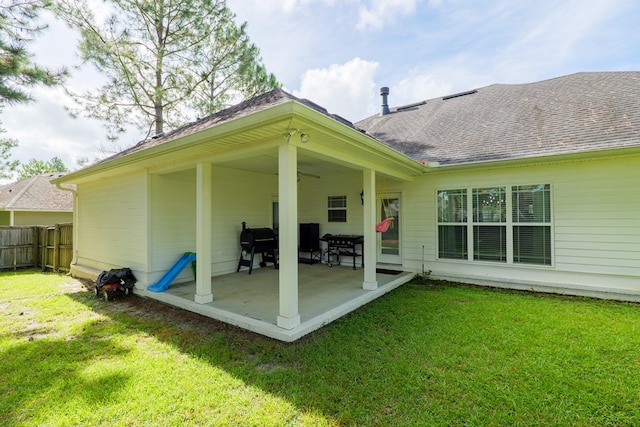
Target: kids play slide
{"type": "Point", "coordinates": [164, 282]}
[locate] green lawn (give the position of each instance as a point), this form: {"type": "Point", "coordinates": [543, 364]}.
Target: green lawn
{"type": "Point", "coordinates": [429, 354]}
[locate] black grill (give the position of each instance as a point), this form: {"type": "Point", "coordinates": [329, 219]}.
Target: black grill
{"type": "Point", "coordinates": [257, 240]}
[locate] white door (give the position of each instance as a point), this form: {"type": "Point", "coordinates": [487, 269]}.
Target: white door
{"type": "Point", "coordinates": [389, 244]}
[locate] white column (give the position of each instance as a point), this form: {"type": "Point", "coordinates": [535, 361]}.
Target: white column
{"type": "Point", "coordinates": [370, 238]}
{"type": "Point", "coordinates": [74, 258]}
{"type": "Point", "coordinates": [288, 317]}
{"type": "Point", "coordinates": [203, 234]}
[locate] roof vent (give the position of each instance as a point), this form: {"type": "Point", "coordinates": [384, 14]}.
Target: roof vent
{"type": "Point", "coordinates": [411, 106]}
{"type": "Point", "coordinates": [384, 92]}
{"type": "Point", "coordinates": [456, 95]}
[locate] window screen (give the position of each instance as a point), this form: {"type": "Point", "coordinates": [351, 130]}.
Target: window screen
{"type": "Point", "coordinates": [521, 235]}
{"type": "Point", "coordinates": [531, 205]}
{"type": "Point", "coordinates": [337, 209]}
{"type": "Point", "coordinates": [452, 228]}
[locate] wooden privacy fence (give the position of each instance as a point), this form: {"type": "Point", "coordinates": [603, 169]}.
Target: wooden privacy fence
{"type": "Point", "coordinates": [45, 247]}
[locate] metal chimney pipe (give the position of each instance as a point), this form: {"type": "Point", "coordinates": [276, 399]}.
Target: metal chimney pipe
{"type": "Point", "coordinates": [384, 92]}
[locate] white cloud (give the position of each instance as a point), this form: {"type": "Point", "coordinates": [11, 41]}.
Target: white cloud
{"type": "Point", "coordinates": [348, 89]}
{"type": "Point", "coordinates": [556, 35]}
{"type": "Point", "coordinates": [421, 49]}
{"type": "Point", "coordinates": [418, 87]}
{"type": "Point", "coordinates": [381, 12]}
{"type": "Point", "coordinates": [286, 6]}
{"type": "Point", "coordinates": [45, 130]}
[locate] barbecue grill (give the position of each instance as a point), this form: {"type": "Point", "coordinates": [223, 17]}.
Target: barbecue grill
{"type": "Point", "coordinates": [343, 245]}
{"type": "Point", "coordinates": [257, 240]}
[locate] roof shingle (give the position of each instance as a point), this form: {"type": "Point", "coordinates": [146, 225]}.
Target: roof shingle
{"type": "Point", "coordinates": [576, 113]}
{"type": "Point", "coordinates": [35, 193]}
{"type": "Point", "coordinates": [261, 102]}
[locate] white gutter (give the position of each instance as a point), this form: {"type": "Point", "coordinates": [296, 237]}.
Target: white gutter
{"type": "Point", "coordinates": [74, 259]}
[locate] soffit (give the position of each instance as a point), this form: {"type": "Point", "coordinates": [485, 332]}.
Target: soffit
{"type": "Point", "coordinates": [250, 143]}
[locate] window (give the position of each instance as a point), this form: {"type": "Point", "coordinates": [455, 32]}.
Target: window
{"type": "Point", "coordinates": [489, 219]}
{"type": "Point", "coordinates": [452, 228]}
{"type": "Point", "coordinates": [337, 208]}
{"type": "Point", "coordinates": [507, 224]}
{"type": "Point", "coordinates": [531, 208]}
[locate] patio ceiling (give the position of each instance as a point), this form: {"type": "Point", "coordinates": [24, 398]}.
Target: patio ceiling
{"type": "Point", "coordinates": [308, 163]}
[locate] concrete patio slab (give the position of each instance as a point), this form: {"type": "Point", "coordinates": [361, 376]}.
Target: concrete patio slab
{"type": "Point", "coordinates": [250, 301]}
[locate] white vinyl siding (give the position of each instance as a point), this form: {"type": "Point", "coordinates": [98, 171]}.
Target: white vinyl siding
{"type": "Point", "coordinates": [313, 197]}
{"type": "Point", "coordinates": [237, 196]}
{"type": "Point", "coordinates": [5, 218]}
{"type": "Point", "coordinates": [597, 222]}
{"type": "Point", "coordinates": [41, 218]}
{"type": "Point", "coordinates": [594, 223]}
{"type": "Point", "coordinates": [113, 222]}
{"type": "Point", "coordinates": [172, 221]}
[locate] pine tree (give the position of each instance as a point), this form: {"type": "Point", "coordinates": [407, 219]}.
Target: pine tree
{"type": "Point", "coordinates": [166, 62]}
{"type": "Point", "coordinates": [18, 27]}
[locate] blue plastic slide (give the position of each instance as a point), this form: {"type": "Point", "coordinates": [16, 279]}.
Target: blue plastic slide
{"type": "Point", "coordinates": [164, 282]}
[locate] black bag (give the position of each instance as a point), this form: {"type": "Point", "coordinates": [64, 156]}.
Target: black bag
{"type": "Point", "coordinates": [122, 276]}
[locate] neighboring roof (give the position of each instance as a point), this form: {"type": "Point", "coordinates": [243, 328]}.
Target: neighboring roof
{"type": "Point", "coordinates": [581, 112]}
{"type": "Point", "coordinates": [35, 193]}
{"type": "Point", "coordinates": [261, 102]}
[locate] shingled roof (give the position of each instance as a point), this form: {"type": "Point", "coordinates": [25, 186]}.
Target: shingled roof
{"type": "Point", "coordinates": [36, 194]}
{"type": "Point", "coordinates": [259, 103]}
{"type": "Point", "coordinates": [581, 112]}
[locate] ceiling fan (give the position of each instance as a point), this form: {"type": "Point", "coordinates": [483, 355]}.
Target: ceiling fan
{"type": "Point", "coordinates": [310, 175]}
{"type": "Point", "coordinates": [304, 174]}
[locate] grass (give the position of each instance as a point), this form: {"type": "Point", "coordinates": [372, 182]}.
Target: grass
{"type": "Point", "coordinates": [426, 354]}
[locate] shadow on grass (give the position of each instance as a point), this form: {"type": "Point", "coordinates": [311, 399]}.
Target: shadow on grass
{"type": "Point", "coordinates": [41, 369]}
{"type": "Point", "coordinates": [421, 355]}
{"type": "Point", "coordinates": [327, 372]}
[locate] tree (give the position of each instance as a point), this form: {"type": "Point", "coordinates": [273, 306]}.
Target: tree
{"type": "Point", "coordinates": [18, 26]}
{"type": "Point", "coordinates": [18, 73]}
{"type": "Point", "coordinates": [36, 167]}
{"type": "Point", "coordinates": [7, 167]}
{"type": "Point", "coordinates": [165, 61]}
{"type": "Point", "coordinates": [229, 71]}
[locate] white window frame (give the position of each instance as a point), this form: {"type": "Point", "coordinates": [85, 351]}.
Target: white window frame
{"type": "Point", "coordinates": [334, 205]}
{"type": "Point", "coordinates": [471, 222]}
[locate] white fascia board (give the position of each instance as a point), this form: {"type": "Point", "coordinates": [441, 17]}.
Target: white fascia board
{"type": "Point", "coordinates": [393, 162]}
{"type": "Point", "coordinates": [362, 141]}
{"type": "Point", "coordinates": [259, 118]}
{"type": "Point", "coordinates": [556, 158]}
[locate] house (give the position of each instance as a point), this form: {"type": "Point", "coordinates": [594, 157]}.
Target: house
{"type": "Point", "coordinates": [531, 186]}
{"type": "Point", "coordinates": [527, 186]}
{"type": "Point", "coordinates": [35, 201]}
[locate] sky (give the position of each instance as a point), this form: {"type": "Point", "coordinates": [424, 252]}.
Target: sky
{"type": "Point", "coordinates": [338, 53]}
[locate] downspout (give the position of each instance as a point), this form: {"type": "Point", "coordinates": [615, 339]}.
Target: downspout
{"type": "Point", "coordinates": [59, 186]}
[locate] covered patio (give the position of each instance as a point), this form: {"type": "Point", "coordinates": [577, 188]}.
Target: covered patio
{"type": "Point", "coordinates": [272, 161]}
{"type": "Point", "coordinates": [251, 301]}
